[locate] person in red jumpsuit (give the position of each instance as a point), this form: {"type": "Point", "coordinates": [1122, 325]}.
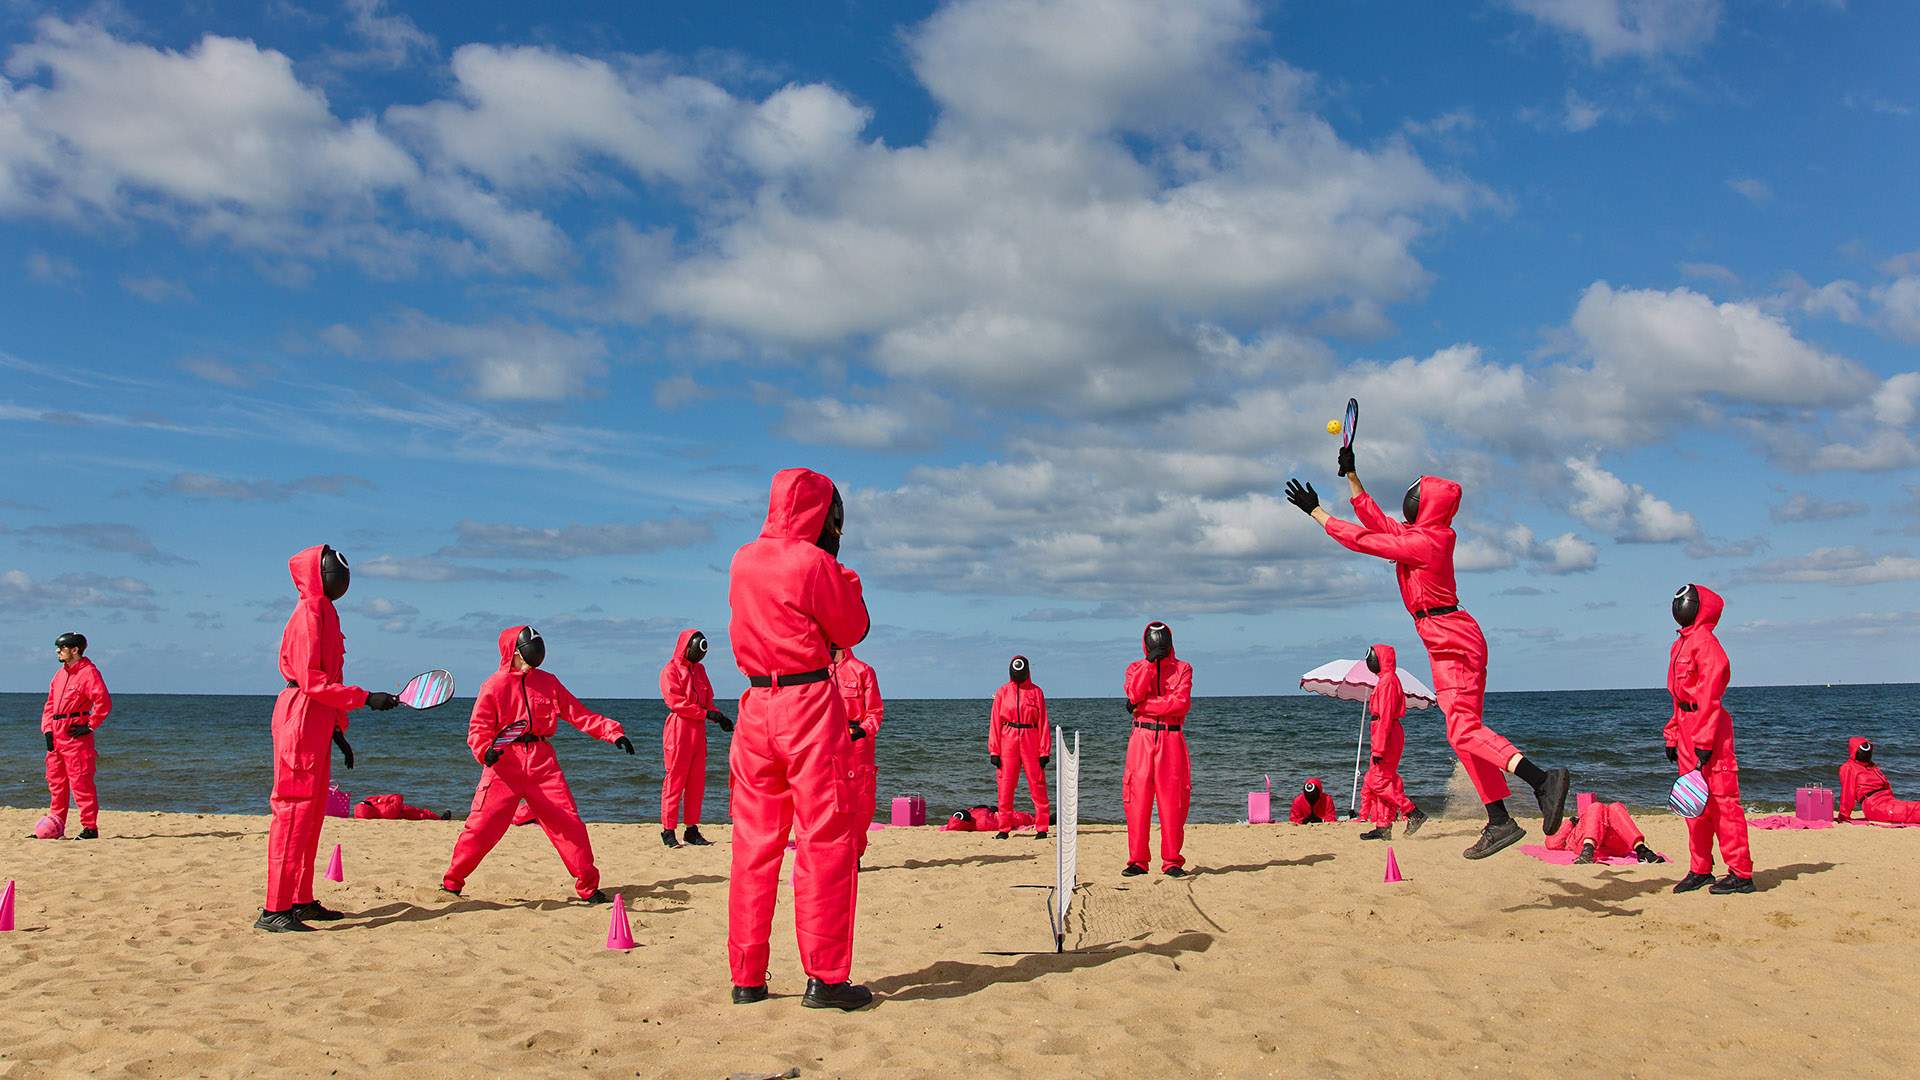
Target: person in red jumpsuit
{"type": "Point", "coordinates": [683, 738]}
{"type": "Point", "coordinates": [515, 715]}
{"type": "Point", "coordinates": [77, 704]}
{"type": "Point", "coordinates": [1019, 739]}
{"type": "Point", "coordinates": [308, 714]}
{"type": "Point", "coordinates": [792, 765]}
{"type": "Point", "coordinates": [1383, 795]}
{"type": "Point", "coordinates": [859, 692]}
{"type": "Point", "coordinates": [1602, 831]}
{"type": "Point", "coordinates": [1313, 806]}
{"type": "Point", "coordinates": [395, 808]}
{"type": "Point", "coordinates": [1421, 549]}
{"type": "Point", "coordinates": [1159, 695]}
{"type": "Point", "coordinates": [1862, 784]}
{"type": "Point", "coordinates": [1699, 735]}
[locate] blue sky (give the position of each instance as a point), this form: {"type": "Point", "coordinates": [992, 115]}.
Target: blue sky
{"type": "Point", "coordinates": [521, 314]}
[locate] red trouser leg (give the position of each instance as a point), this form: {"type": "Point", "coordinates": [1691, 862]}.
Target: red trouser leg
{"type": "Point", "coordinates": [1173, 779]}
{"type": "Point", "coordinates": [1461, 686]}
{"type": "Point", "coordinates": [1700, 839]}
{"type": "Point", "coordinates": [1382, 795]}
{"type": "Point", "coordinates": [1882, 806]}
{"type": "Point", "coordinates": [1136, 793]}
{"type": "Point", "coordinates": [302, 765]}
{"type": "Point", "coordinates": [673, 763]}
{"type": "Point", "coordinates": [1624, 834]}
{"type": "Point", "coordinates": [58, 787]}
{"type": "Point", "coordinates": [1009, 783]}
{"type": "Point", "coordinates": [1730, 821]}
{"type": "Point", "coordinates": [1036, 781]}
{"type": "Point", "coordinates": [696, 795]}
{"type": "Point", "coordinates": [533, 770]}
{"type": "Point", "coordinates": [82, 759]}
{"type": "Point", "coordinates": [492, 814]}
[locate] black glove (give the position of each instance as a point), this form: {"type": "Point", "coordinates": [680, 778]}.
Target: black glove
{"type": "Point", "coordinates": [624, 743]}
{"type": "Point", "coordinates": [720, 718]}
{"type": "Point", "coordinates": [78, 731]}
{"type": "Point", "coordinates": [1346, 460]}
{"type": "Point", "coordinates": [855, 731]}
{"type": "Point", "coordinates": [1673, 754]}
{"type": "Point", "coordinates": [1131, 706]}
{"type": "Point", "coordinates": [1704, 755]}
{"type": "Point", "coordinates": [995, 758]}
{"type": "Point", "coordinates": [1376, 761]}
{"type": "Point", "coordinates": [1043, 761]}
{"type": "Point", "coordinates": [492, 755]}
{"type": "Point", "coordinates": [346, 752]}
{"type": "Point", "coordinates": [380, 700]}
{"type": "Point", "coordinates": [1303, 496]}
{"type": "Point", "coordinates": [49, 736]}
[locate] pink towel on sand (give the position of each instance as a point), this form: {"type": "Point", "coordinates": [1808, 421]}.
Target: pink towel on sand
{"type": "Point", "coordinates": [1565, 858]}
{"type": "Point", "coordinates": [1787, 821]}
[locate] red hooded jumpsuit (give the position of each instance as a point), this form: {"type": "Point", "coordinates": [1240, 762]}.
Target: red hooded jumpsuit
{"type": "Point", "coordinates": [1157, 767]}
{"type": "Point", "coordinates": [683, 738]}
{"type": "Point", "coordinates": [1422, 554]}
{"type": "Point", "coordinates": [1865, 786]}
{"type": "Point", "coordinates": [77, 695]}
{"type": "Point", "coordinates": [792, 766]}
{"type": "Point", "coordinates": [1320, 806]}
{"type": "Point", "coordinates": [1383, 795]}
{"type": "Point", "coordinates": [1697, 677]}
{"type": "Point", "coordinates": [313, 706]}
{"type": "Point", "coordinates": [1608, 825]}
{"type": "Point", "coordinates": [519, 711]}
{"type": "Point", "coordinates": [1018, 733]}
{"type": "Point", "coordinates": [860, 696]}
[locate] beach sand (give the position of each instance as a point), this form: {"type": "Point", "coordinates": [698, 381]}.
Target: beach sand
{"type": "Point", "coordinates": [1284, 956]}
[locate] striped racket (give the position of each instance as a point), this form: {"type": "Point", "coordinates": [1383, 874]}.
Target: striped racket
{"type": "Point", "coordinates": [1352, 421]}
{"type": "Point", "coordinates": [1689, 796]}
{"type": "Point", "coordinates": [427, 690]}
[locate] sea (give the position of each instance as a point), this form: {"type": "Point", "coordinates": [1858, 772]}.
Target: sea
{"type": "Point", "coordinates": [212, 754]}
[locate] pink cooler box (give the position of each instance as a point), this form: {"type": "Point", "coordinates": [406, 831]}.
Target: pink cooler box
{"type": "Point", "coordinates": [909, 810]}
{"type": "Point", "coordinates": [1813, 804]}
{"type": "Point", "coordinates": [1260, 805]}
{"type": "Point", "coordinates": [339, 803]}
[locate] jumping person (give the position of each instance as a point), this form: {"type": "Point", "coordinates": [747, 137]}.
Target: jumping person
{"type": "Point", "coordinates": [792, 760]}
{"type": "Point", "coordinates": [1699, 735]}
{"type": "Point", "coordinates": [1159, 696]}
{"type": "Point", "coordinates": [1018, 739]}
{"type": "Point", "coordinates": [1383, 794]}
{"type": "Point", "coordinates": [683, 738]}
{"type": "Point", "coordinates": [77, 704]}
{"type": "Point", "coordinates": [859, 693]}
{"type": "Point", "coordinates": [1602, 831]}
{"type": "Point", "coordinates": [516, 712]}
{"type": "Point", "coordinates": [1313, 806]}
{"type": "Point", "coordinates": [1421, 550]}
{"type": "Point", "coordinates": [308, 714]}
{"type": "Point", "coordinates": [1862, 784]}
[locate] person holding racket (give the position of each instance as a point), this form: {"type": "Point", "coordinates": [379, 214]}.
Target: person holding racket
{"type": "Point", "coordinates": [517, 711]}
{"type": "Point", "coordinates": [1699, 736]}
{"type": "Point", "coordinates": [1421, 550]}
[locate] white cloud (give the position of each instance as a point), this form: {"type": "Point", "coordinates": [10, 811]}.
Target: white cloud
{"type": "Point", "coordinates": [504, 359]}
{"type": "Point", "coordinates": [1629, 512]}
{"type": "Point", "coordinates": [501, 540]}
{"type": "Point", "coordinates": [800, 128]}
{"type": "Point", "coordinates": [432, 569]}
{"type": "Point", "coordinates": [1753, 190]}
{"type": "Point", "coordinates": [1482, 549]}
{"type": "Point", "coordinates": [155, 289]}
{"type": "Point", "coordinates": [51, 268]}
{"type": "Point", "coordinates": [1899, 302]}
{"type": "Point", "coordinates": [1714, 272]}
{"type": "Point", "coordinates": [1801, 506]}
{"type": "Point", "coordinates": [866, 425]}
{"type": "Point", "coordinates": [1612, 29]}
{"type": "Point", "coordinates": [20, 592]}
{"type": "Point", "coordinates": [678, 391]}
{"type": "Point", "coordinates": [386, 40]}
{"type": "Point", "coordinates": [1845, 566]}
{"type": "Point", "coordinates": [1581, 114]}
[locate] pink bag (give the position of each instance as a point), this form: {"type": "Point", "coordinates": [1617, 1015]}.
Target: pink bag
{"type": "Point", "coordinates": [1260, 805]}
{"type": "Point", "coordinates": [909, 810]}
{"type": "Point", "coordinates": [339, 803]}
{"type": "Point", "coordinates": [1813, 804]}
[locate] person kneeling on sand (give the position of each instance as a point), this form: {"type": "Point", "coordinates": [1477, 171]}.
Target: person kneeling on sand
{"type": "Point", "coordinates": [1313, 806]}
{"type": "Point", "coordinates": [1602, 831]}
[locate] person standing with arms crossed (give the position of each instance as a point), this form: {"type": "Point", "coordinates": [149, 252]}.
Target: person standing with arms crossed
{"type": "Point", "coordinates": [1159, 695]}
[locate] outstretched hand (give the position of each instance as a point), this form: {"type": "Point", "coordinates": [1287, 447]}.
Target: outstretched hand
{"type": "Point", "coordinates": [1303, 496]}
{"type": "Point", "coordinates": [1346, 460]}
{"type": "Point", "coordinates": [380, 700]}
{"type": "Point", "coordinates": [624, 743]}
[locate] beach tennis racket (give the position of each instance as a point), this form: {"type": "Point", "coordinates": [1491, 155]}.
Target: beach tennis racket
{"type": "Point", "coordinates": [1689, 795]}
{"type": "Point", "coordinates": [1352, 421]}
{"type": "Point", "coordinates": [427, 690]}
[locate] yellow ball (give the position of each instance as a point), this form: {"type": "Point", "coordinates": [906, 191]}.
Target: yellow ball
{"type": "Point", "coordinates": [1333, 427]}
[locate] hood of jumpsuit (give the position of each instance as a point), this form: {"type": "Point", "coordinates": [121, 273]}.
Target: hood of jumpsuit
{"type": "Point", "coordinates": [1386, 687]}
{"type": "Point", "coordinates": [1853, 747]}
{"type": "Point", "coordinates": [1439, 501]}
{"type": "Point", "coordinates": [1710, 608]}
{"type": "Point", "coordinates": [680, 646]}
{"type": "Point", "coordinates": [304, 568]}
{"type": "Point", "coordinates": [797, 505]}
{"type": "Point", "coordinates": [508, 638]}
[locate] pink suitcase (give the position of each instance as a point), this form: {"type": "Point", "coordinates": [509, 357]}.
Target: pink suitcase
{"type": "Point", "coordinates": [1813, 804]}
{"type": "Point", "coordinates": [909, 810]}
{"type": "Point", "coordinates": [339, 803]}
{"type": "Point", "coordinates": [1260, 805]}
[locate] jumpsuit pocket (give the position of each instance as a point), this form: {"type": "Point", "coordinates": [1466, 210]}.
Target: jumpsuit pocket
{"type": "Point", "coordinates": [299, 776]}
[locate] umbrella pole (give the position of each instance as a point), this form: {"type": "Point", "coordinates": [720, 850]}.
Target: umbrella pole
{"type": "Point", "coordinates": [1353, 802]}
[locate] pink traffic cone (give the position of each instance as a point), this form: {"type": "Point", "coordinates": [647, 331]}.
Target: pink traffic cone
{"type": "Point", "coordinates": [619, 934]}
{"type": "Point", "coordinates": [1393, 868]}
{"type": "Point", "coordinates": [6, 908]}
{"type": "Point", "coordinates": [336, 870]}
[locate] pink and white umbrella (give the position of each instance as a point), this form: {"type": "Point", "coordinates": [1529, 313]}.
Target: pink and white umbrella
{"type": "Point", "coordinates": [1351, 680]}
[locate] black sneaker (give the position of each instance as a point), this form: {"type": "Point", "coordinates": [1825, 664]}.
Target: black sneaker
{"type": "Point", "coordinates": [844, 996]}
{"type": "Point", "coordinates": [315, 911]}
{"type": "Point", "coordinates": [1416, 819]}
{"type": "Point", "coordinates": [1647, 855]}
{"type": "Point", "coordinates": [747, 995]}
{"type": "Point", "coordinates": [1133, 870]}
{"type": "Point", "coordinates": [88, 834]}
{"type": "Point", "coordinates": [1732, 883]}
{"type": "Point", "coordinates": [667, 838]}
{"type": "Point", "coordinates": [280, 922]}
{"type": "Point", "coordinates": [692, 836]}
{"type": "Point", "coordinates": [1378, 832]}
{"type": "Point", "coordinates": [1175, 871]}
{"type": "Point", "coordinates": [1553, 799]}
{"type": "Point", "coordinates": [1585, 858]}
{"type": "Point", "coordinates": [1041, 835]}
{"type": "Point", "coordinates": [1495, 837]}
{"type": "Point", "coordinates": [1692, 882]}
{"type": "Point", "coordinates": [598, 897]}
{"type": "Point", "coordinates": [444, 891]}
{"type": "Point", "coordinates": [1001, 835]}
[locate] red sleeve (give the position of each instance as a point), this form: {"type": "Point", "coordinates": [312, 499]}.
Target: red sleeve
{"type": "Point", "coordinates": [1139, 681]}
{"type": "Point", "coordinates": [102, 703]}
{"type": "Point", "coordinates": [313, 679]}
{"type": "Point", "coordinates": [1299, 812]}
{"type": "Point", "coordinates": [1046, 730]}
{"type": "Point", "coordinates": [1176, 695]}
{"type": "Point", "coordinates": [46, 711]}
{"type": "Point", "coordinates": [484, 723]}
{"type": "Point", "coordinates": [676, 689]}
{"type": "Point", "coordinates": [839, 605]}
{"type": "Point", "coordinates": [996, 715]}
{"type": "Point", "coordinates": [604, 728]}
{"type": "Point", "coordinates": [870, 696]}
{"type": "Point", "coordinates": [1849, 790]}
{"type": "Point", "coordinates": [1372, 518]}
{"type": "Point", "coordinates": [1407, 546]}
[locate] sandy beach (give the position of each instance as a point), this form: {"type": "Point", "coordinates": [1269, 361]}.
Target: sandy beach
{"type": "Point", "coordinates": [1285, 955]}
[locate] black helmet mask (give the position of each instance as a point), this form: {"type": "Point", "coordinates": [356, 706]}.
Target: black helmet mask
{"type": "Point", "coordinates": [1159, 641]}
{"type": "Point", "coordinates": [335, 576]}
{"type": "Point", "coordinates": [71, 640]}
{"type": "Point", "coordinates": [1686, 605]}
{"type": "Point", "coordinates": [531, 646]}
{"type": "Point", "coordinates": [836, 522]}
{"type": "Point", "coordinates": [696, 650]}
{"type": "Point", "coordinates": [1864, 755]}
{"type": "Point", "coordinates": [1018, 670]}
{"type": "Point", "coordinates": [1373, 662]}
{"type": "Point", "coordinates": [1410, 502]}
{"type": "Point", "coordinates": [1310, 789]}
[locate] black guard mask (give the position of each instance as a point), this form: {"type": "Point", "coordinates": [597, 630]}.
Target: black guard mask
{"type": "Point", "coordinates": [696, 648]}
{"type": "Point", "coordinates": [829, 541]}
{"type": "Point", "coordinates": [1017, 669]}
{"type": "Point", "coordinates": [1159, 641]}
{"type": "Point", "coordinates": [334, 574]}
{"type": "Point", "coordinates": [1865, 754]}
{"type": "Point", "coordinates": [531, 646]}
{"type": "Point", "coordinates": [1410, 503]}
{"type": "Point", "coordinates": [1373, 662]}
{"type": "Point", "coordinates": [1686, 605]}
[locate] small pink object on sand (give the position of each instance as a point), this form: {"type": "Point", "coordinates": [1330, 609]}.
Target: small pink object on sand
{"type": "Point", "coordinates": [1260, 805]}
{"type": "Point", "coordinates": [339, 803]}
{"type": "Point", "coordinates": [1565, 858]}
{"type": "Point", "coordinates": [336, 870]}
{"type": "Point", "coordinates": [6, 908]}
{"type": "Point", "coordinates": [619, 933]}
{"type": "Point", "coordinates": [1393, 869]}
{"type": "Point", "coordinates": [1787, 821]}
{"type": "Point", "coordinates": [1813, 803]}
{"type": "Point", "coordinates": [48, 828]}
{"type": "Point", "coordinates": [909, 810]}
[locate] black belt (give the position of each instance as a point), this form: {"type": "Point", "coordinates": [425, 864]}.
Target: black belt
{"type": "Point", "coordinates": [1432, 611]}
{"type": "Point", "coordinates": [1156, 727]}
{"type": "Point", "coordinates": [72, 715]}
{"type": "Point", "coordinates": [1010, 723]}
{"type": "Point", "coordinates": [1684, 707]}
{"type": "Point", "coordinates": [530, 738]}
{"type": "Point", "coordinates": [821, 675]}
